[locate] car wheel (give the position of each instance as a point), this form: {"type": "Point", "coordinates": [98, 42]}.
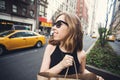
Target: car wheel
{"type": "Point", "coordinates": [2, 49]}
{"type": "Point", "coordinates": [39, 44]}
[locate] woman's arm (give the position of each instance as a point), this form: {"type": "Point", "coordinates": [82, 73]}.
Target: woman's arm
{"type": "Point", "coordinates": [82, 60]}
{"type": "Point", "coordinates": [46, 59]}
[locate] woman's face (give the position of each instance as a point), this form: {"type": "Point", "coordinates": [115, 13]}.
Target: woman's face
{"type": "Point", "coordinates": [60, 28]}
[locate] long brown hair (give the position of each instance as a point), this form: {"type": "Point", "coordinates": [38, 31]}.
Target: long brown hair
{"type": "Point", "coordinates": [74, 40]}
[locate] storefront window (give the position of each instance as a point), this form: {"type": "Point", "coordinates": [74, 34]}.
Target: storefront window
{"type": "Point", "coordinates": [14, 8]}
{"type": "Point", "coordinates": [2, 5]}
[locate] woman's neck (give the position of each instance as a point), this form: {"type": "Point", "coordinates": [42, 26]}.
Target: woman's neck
{"type": "Point", "coordinates": [62, 48]}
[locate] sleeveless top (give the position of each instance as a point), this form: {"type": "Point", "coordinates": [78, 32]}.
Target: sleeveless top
{"type": "Point", "coordinates": [58, 55]}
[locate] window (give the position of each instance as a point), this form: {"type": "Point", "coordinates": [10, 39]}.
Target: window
{"type": "Point", "coordinates": [32, 13]}
{"type": "Point", "coordinates": [2, 5]}
{"type": "Point", "coordinates": [18, 34]}
{"type": "Point", "coordinates": [24, 11]}
{"type": "Point", "coordinates": [42, 10]}
{"type": "Point", "coordinates": [30, 34]}
{"type": "Point", "coordinates": [32, 2]}
{"type": "Point", "coordinates": [14, 8]}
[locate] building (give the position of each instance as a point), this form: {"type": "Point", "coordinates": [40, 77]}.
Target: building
{"type": "Point", "coordinates": [44, 25]}
{"type": "Point", "coordinates": [82, 12]}
{"type": "Point", "coordinates": [56, 6]}
{"type": "Point", "coordinates": [115, 24]}
{"type": "Point", "coordinates": [18, 12]}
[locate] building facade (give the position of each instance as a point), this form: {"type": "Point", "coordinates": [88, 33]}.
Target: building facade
{"type": "Point", "coordinates": [18, 12]}
{"type": "Point", "coordinates": [44, 26]}
{"type": "Point", "coordinates": [115, 24]}
{"type": "Point", "coordinates": [82, 12]}
{"type": "Point", "coordinates": [56, 6]}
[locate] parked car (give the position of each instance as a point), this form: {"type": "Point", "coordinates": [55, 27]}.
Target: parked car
{"type": "Point", "coordinates": [118, 37]}
{"type": "Point", "coordinates": [20, 27]}
{"type": "Point", "coordinates": [17, 39]}
{"type": "Point", "coordinates": [94, 36]}
{"type": "Point", "coordinates": [111, 38]}
{"type": "Point", "coordinates": [14, 27]}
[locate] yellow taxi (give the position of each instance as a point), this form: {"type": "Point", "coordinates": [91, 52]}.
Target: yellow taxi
{"type": "Point", "coordinates": [94, 36]}
{"type": "Point", "coordinates": [17, 39]}
{"type": "Point", "coordinates": [111, 38]}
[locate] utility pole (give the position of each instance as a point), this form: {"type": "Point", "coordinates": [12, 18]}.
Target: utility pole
{"type": "Point", "coordinates": [37, 14]}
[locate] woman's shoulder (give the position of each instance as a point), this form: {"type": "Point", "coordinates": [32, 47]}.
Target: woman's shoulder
{"type": "Point", "coordinates": [82, 54]}
{"type": "Point", "coordinates": [50, 48]}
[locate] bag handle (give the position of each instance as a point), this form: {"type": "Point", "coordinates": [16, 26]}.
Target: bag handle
{"type": "Point", "coordinates": [74, 68]}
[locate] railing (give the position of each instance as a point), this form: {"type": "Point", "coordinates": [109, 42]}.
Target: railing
{"type": "Point", "coordinates": [105, 74]}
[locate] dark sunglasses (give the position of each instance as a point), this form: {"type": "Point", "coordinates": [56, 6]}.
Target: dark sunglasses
{"type": "Point", "coordinates": [59, 23]}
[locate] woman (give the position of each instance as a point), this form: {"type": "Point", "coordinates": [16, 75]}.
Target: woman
{"type": "Point", "coordinates": [65, 46]}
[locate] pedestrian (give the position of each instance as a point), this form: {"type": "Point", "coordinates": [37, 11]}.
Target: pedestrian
{"type": "Point", "coordinates": [65, 46]}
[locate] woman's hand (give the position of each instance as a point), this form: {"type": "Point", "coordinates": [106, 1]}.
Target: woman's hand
{"type": "Point", "coordinates": [67, 61]}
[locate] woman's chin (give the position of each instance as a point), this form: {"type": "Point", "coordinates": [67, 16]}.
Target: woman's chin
{"type": "Point", "coordinates": [56, 39]}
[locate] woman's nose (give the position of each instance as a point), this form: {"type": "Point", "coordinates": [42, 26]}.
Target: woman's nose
{"type": "Point", "coordinates": [53, 28]}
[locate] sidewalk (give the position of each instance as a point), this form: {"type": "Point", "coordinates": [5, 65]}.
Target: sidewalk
{"type": "Point", "coordinates": [116, 47]}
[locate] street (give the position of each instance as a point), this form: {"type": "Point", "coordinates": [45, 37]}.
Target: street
{"type": "Point", "coordinates": [25, 64]}
{"type": "Point", "coordinates": [21, 65]}
{"type": "Point", "coordinates": [116, 46]}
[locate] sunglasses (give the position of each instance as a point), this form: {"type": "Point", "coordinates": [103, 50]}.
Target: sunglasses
{"type": "Point", "coordinates": [59, 23]}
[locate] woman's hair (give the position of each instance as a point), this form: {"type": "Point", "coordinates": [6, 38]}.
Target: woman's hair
{"type": "Point", "coordinates": [74, 39]}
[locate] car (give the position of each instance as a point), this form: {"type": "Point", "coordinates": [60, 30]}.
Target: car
{"type": "Point", "coordinates": [94, 36]}
{"type": "Point", "coordinates": [14, 27]}
{"type": "Point", "coordinates": [20, 27]}
{"type": "Point", "coordinates": [118, 37]}
{"type": "Point", "coordinates": [17, 39]}
{"type": "Point", "coordinates": [111, 38]}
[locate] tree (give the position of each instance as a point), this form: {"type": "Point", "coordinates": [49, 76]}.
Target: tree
{"type": "Point", "coordinates": [102, 37]}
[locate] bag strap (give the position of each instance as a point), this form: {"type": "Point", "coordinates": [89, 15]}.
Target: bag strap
{"type": "Point", "coordinates": [74, 68]}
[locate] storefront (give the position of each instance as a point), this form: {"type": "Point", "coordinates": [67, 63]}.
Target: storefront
{"type": "Point", "coordinates": [44, 26]}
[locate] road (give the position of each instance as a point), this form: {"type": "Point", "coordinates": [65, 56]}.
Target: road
{"type": "Point", "coordinates": [116, 47]}
{"type": "Point", "coordinates": [25, 64]}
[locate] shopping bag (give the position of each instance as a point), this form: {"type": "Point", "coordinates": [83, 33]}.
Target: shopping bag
{"type": "Point", "coordinates": [49, 76]}
{"type": "Point", "coordinates": [76, 76]}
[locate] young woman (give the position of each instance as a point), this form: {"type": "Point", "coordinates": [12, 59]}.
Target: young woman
{"type": "Point", "coordinates": [65, 46]}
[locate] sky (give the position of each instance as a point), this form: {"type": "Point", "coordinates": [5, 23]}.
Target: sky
{"type": "Point", "coordinates": [101, 11]}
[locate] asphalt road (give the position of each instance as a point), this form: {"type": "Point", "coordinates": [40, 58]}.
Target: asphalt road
{"type": "Point", "coordinates": [116, 47]}
{"type": "Point", "coordinates": [25, 64]}
{"type": "Point", "coordinates": [21, 65]}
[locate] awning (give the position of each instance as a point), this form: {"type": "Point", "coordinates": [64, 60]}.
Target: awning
{"type": "Point", "coordinates": [42, 19]}
{"type": "Point", "coordinates": [44, 22]}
